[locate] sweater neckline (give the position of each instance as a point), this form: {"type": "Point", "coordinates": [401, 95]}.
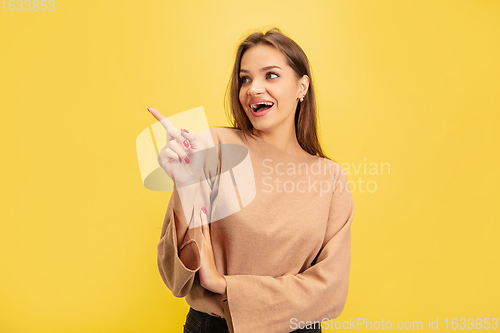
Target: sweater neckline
{"type": "Point", "coordinates": [283, 152]}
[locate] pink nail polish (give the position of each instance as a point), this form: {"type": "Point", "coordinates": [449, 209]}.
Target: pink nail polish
{"type": "Point", "coordinates": [186, 143]}
{"type": "Point", "coordinates": [203, 210]}
{"type": "Point", "coordinates": [187, 159]}
{"type": "Point", "coordinates": [185, 130]}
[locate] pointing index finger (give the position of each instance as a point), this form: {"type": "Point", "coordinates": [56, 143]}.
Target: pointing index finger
{"type": "Point", "coordinates": [169, 127]}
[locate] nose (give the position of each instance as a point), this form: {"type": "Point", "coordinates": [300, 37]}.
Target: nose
{"type": "Point", "coordinates": [256, 88]}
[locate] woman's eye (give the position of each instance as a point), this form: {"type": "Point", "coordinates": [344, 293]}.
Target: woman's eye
{"type": "Point", "coordinates": [276, 75]}
{"type": "Point", "coordinates": [244, 79]}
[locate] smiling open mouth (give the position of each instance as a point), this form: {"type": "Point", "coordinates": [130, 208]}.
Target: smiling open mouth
{"type": "Point", "coordinates": [262, 106]}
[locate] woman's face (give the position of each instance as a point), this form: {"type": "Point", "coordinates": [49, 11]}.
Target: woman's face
{"type": "Point", "coordinates": [266, 78]}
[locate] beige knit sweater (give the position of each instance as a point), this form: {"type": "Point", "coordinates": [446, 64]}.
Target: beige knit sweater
{"type": "Point", "coordinates": [280, 231]}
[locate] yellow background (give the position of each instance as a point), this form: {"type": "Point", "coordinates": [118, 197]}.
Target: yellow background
{"type": "Point", "coordinates": [411, 83]}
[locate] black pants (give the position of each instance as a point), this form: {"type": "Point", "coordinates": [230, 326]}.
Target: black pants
{"type": "Point", "coordinates": [201, 322]}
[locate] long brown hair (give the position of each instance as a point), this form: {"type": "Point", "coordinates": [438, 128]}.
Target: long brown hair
{"type": "Point", "coordinates": [306, 115]}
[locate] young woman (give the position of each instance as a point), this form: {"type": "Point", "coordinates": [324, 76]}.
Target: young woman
{"type": "Point", "coordinates": [260, 243]}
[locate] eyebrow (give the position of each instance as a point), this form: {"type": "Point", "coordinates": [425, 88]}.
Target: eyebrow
{"type": "Point", "coordinates": [263, 69]}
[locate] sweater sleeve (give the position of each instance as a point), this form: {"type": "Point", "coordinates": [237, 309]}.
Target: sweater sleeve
{"type": "Point", "coordinates": [177, 275]}
{"type": "Point", "coordinates": [178, 266]}
{"type": "Point", "coordinates": [267, 304]}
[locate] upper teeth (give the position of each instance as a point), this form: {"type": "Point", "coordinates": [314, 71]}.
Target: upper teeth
{"type": "Point", "coordinates": [254, 106]}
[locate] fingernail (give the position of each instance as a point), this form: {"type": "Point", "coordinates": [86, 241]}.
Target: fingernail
{"type": "Point", "coordinates": [186, 159]}
{"type": "Point", "coordinates": [203, 210]}
{"type": "Point", "coordinates": [148, 109]}
{"type": "Point", "coordinates": [185, 130]}
{"type": "Point", "coordinates": [186, 143]}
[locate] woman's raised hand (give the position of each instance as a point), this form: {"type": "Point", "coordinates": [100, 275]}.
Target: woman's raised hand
{"type": "Point", "coordinates": [177, 158]}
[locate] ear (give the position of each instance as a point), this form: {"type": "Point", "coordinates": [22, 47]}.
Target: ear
{"type": "Point", "coordinates": [304, 85]}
